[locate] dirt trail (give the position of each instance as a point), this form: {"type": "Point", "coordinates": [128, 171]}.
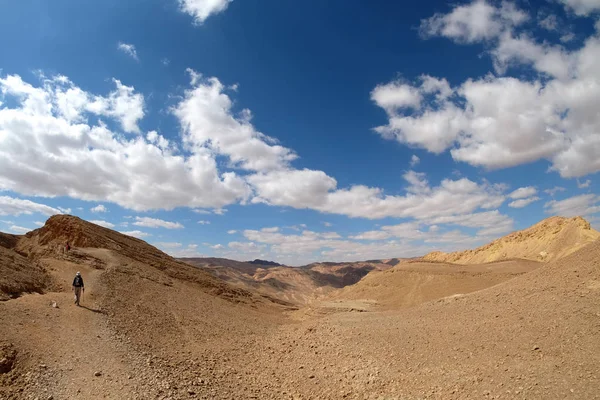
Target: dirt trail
{"type": "Point", "coordinates": [75, 342]}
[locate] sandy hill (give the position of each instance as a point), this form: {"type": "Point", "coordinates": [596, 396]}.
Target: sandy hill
{"type": "Point", "coordinates": [412, 283]}
{"type": "Point", "coordinates": [548, 240]}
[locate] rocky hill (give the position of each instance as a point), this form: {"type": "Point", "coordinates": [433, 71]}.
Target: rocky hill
{"type": "Point", "coordinates": [548, 240]}
{"type": "Point", "coordinates": [291, 285]}
{"type": "Point", "coordinates": [265, 263]}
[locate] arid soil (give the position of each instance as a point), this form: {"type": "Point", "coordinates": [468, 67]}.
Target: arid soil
{"type": "Point", "coordinates": [166, 331]}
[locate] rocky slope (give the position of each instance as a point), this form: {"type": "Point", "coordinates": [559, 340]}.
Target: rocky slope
{"type": "Point", "coordinates": [548, 240]}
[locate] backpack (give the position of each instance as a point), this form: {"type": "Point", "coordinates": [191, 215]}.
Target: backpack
{"type": "Point", "coordinates": [78, 281]}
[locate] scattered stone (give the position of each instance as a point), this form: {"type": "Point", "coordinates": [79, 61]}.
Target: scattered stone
{"type": "Point", "coordinates": [7, 358]}
{"type": "Point", "coordinates": [97, 373]}
{"type": "Point", "coordinates": [536, 348]}
{"type": "Point", "coordinates": [311, 377]}
{"type": "Point", "coordinates": [54, 304]}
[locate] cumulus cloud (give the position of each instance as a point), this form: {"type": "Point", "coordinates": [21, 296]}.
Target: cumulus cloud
{"type": "Point", "coordinates": [100, 208]}
{"type": "Point", "coordinates": [136, 234]}
{"type": "Point", "coordinates": [474, 22]}
{"type": "Point", "coordinates": [128, 49]}
{"type": "Point", "coordinates": [501, 121]}
{"type": "Point", "coordinates": [554, 190]}
{"type": "Point", "coordinates": [232, 231]}
{"type": "Point", "coordinates": [207, 120]}
{"type": "Point", "coordinates": [523, 202]}
{"type": "Point", "coordinates": [203, 222]}
{"type": "Point", "coordinates": [295, 249]}
{"type": "Point", "coordinates": [414, 160]}
{"type": "Point", "coordinates": [200, 10]}
{"type": "Point", "coordinates": [156, 223]}
{"type": "Point", "coordinates": [584, 184]}
{"type": "Point", "coordinates": [169, 245]}
{"type": "Point", "coordinates": [50, 147]}
{"type": "Point", "coordinates": [19, 230]}
{"type": "Point", "coordinates": [105, 224]}
{"type": "Point", "coordinates": [582, 7]}
{"type": "Point", "coordinates": [316, 190]}
{"type": "Point", "coordinates": [582, 205]}
{"type": "Point", "coordinates": [523, 192]}
{"type": "Point", "coordinates": [15, 206]}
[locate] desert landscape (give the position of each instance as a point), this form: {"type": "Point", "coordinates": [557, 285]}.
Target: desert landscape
{"type": "Point", "coordinates": [518, 318]}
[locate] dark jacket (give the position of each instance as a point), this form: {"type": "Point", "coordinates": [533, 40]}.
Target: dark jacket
{"type": "Point", "coordinates": [78, 281]}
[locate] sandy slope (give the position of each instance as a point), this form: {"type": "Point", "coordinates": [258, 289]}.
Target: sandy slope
{"type": "Point", "coordinates": [412, 283]}
{"type": "Point", "coordinates": [548, 240]}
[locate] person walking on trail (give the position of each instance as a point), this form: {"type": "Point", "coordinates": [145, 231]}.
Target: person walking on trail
{"type": "Point", "coordinates": [78, 287]}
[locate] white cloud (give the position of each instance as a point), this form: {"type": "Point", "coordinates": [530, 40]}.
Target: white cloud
{"type": "Point", "coordinates": [200, 10]}
{"type": "Point", "coordinates": [316, 190]}
{"type": "Point", "coordinates": [474, 22]}
{"type": "Point", "coordinates": [18, 229]}
{"type": "Point", "coordinates": [523, 192]}
{"type": "Point", "coordinates": [165, 61]}
{"type": "Point", "coordinates": [169, 245]}
{"type": "Point", "coordinates": [105, 224]}
{"type": "Point", "coordinates": [232, 231]}
{"type": "Point", "coordinates": [523, 202]}
{"type": "Point", "coordinates": [217, 247]}
{"type": "Point", "coordinates": [67, 155]}
{"type": "Point", "coordinates": [582, 7]}
{"type": "Point", "coordinates": [137, 234]}
{"type": "Point", "coordinates": [206, 118]}
{"type": "Point", "coordinates": [498, 122]}
{"type": "Point", "coordinates": [414, 160]}
{"type": "Point", "coordinates": [100, 208]}
{"type": "Point", "coordinates": [203, 222]}
{"type": "Point", "coordinates": [582, 205]}
{"type": "Point", "coordinates": [549, 22]}
{"type": "Point", "coordinates": [583, 185]}
{"type": "Point", "coordinates": [327, 224]}
{"type": "Point", "coordinates": [311, 246]}
{"type": "Point", "coordinates": [15, 206]}
{"type": "Point", "coordinates": [38, 223]}
{"type": "Point", "coordinates": [567, 37]}
{"type": "Point", "coordinates": [156, 223]}
{"type": "Point", "coordinates": [128, 49]}
{"type": "Point", "coordinates": [396, 95]}
{"type": "Point", "coordinates": [270, 230]}
{"type": "Point", "coordinates": [199, 211]}
{"type": "Point", "coordinates": [554, 190]}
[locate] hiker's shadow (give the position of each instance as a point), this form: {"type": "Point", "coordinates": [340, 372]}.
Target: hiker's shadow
{"type": "Point", "coordinates": [92, 309]}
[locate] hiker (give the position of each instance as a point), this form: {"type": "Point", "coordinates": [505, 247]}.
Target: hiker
{"type": "Point", "coordinates": [78, 287]}
{"type": "Point", "coordinates": [68, 247]}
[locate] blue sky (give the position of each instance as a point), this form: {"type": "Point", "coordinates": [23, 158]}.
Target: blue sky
{"type": "Point", "coordinates": [300, 131]}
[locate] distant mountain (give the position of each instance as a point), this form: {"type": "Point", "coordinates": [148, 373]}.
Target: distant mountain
{"type": "Point", "coordinates": [265, 263]}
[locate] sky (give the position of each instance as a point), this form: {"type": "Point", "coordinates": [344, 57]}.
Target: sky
{"type": "Point", "coordinates": [300, 131]}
